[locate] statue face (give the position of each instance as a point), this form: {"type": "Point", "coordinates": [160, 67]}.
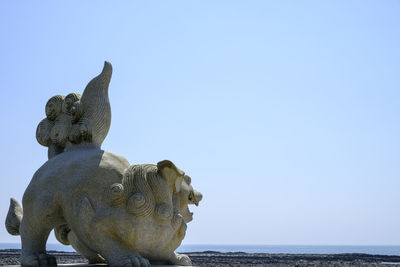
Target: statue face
{"type": "Point", "coordinates": [188, 196]}
{"type": "Point", "coordinates": [70, 105]}
{"type": "Point", "coordinates": [58, 135]}
{"type": "Point", "coordinates": [68, 102]}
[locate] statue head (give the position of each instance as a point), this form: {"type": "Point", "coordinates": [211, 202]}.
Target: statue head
{"type": "Point", "coordinates": [149, 190]}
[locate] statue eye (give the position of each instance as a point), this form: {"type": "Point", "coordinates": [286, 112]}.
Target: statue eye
{"type": "Point", "coordinates": [115, 195]}
{"type": "Point", "coordinates": [116, 189]}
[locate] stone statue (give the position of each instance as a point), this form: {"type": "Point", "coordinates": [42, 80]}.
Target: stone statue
{"type": "Point", "coordinates": [108, 210]}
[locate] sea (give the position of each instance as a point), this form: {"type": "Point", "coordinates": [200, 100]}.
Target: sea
{"type": "Point", "coordinates": [274, 249]}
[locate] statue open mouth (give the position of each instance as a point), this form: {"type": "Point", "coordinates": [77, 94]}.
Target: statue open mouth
{"type": "Point", "coordinates": [195, 197]}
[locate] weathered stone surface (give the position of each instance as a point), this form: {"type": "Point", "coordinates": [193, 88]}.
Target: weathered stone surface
{"type": "Point", "coordinates": [77, 120]}
{"type": "Point", "coordinates": [108, 210]}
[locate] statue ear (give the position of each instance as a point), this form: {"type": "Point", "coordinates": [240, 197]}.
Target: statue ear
{"type": "Point", "coordinates": [171, 174]}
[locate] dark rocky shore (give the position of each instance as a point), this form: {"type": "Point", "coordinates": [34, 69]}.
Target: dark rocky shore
{"type": "Point", "coordinates": [212, 258]}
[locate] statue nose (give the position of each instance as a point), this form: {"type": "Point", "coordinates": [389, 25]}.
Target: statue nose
{"type": "Point", "coordinates": [197, 197]}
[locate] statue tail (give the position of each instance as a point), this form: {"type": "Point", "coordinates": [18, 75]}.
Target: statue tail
{"type": "Point", "coordinates": [14, 217]}
{"type": "Point", "coordinates": [96, 105]}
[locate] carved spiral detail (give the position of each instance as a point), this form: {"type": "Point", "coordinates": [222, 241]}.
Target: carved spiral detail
{"type": "Point", "coordinates": [137, 201]}
{"type": "Point", "coordinates": [162, 196]}
{"type": "Point", "coordinates": [115, 195]}
{"type": "Point", "coordinates": [43, 132]}
{"type": "Point", "coordinates": [54, 107]}
{"type": "Point", "coordinates": [160, 188]}
{"type": "Point", "coordinates": [163, 213]}
{"type": "Point", "coordinates": [145, 193]}
{"type": "Point", "coordinates": [74, 119]}
{"type": "Point", "coordinates": [141, 200]}
{"type": "Point", "coordinates": [117, 189]}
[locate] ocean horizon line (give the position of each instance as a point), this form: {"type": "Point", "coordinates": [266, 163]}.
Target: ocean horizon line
{"type": "Point", "coordinates": [246, 244]}
{"type": "Point", "coordinates": [254, 248]}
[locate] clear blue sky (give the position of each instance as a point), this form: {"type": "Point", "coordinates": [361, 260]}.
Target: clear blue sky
{"type": "Point", "coordinates": [284, 113]}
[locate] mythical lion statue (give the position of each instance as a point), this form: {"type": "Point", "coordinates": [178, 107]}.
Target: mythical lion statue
{"type": "Point", "coordinates": [108, 210]}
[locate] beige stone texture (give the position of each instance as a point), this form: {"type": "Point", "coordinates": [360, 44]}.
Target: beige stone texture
{"type": "Point", "coordinates": [108, 210]}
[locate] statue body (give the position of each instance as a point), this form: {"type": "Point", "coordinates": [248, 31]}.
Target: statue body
{"type": "Point", "coordinates": [108, 210]}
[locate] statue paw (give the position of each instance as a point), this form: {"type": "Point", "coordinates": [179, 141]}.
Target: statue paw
{"type": "Point", "coordinates": [38, 260]}
{"type": "Point", "coordinates": [180, 259]}
{"type": "Point", "coordinates": [131, 261]}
